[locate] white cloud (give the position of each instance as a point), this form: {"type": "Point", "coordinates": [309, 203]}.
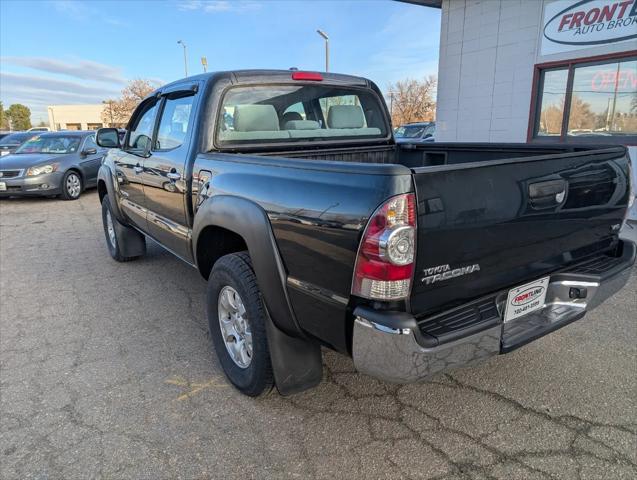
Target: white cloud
{"type": "Point", "coordinates": [37, 92]}
{"type": "Point", "coordinates": [77, 10]}
{"type": "Point", "coordinates": [39, 83]}
{"type": "Point", "coordinates": [78, 68]}
{"type": "Point", "coordinates": [83, 12]}
{"type": "Point", "coordinates": [219, 6]}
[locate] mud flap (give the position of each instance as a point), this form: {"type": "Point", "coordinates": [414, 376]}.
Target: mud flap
{"type": "Point", "coordinates": [297, 363]}
{"type": "Point", "coordinates": [131, 243]}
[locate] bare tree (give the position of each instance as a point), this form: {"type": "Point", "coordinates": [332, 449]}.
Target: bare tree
{"type": "Point", "coordinates": [580, 115]}
{"type": "Point", "coordinates": [117, 111]}
{"type": "Point", "coordinates": [413, 100]}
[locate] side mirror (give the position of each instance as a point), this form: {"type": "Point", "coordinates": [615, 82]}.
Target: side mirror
{"type": "Point", "coordinates": [107, 138]}
{"type": "Point", "coordinates": [89, 151]}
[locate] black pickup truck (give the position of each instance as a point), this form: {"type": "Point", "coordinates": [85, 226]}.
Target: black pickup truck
{"type": "Point", "coordinates": [287, 191]}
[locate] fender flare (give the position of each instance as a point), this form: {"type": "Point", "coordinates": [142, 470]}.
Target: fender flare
{"type": "Point", "coordinates": [104, 174]}
{"type": "Point", "coordinates": [296, 360]}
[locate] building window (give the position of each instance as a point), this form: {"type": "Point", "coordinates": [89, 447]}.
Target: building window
{"type": "Point", "coordinates": [592, 101]}
{"type": "Point", "coordinates": [552, 106]}
{"type": "Point", "coordinates": [94, 126]}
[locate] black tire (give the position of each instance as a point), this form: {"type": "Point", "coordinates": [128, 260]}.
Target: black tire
{"type": "Point", "coordinates": [235, 271]}
{"type": "Point", "coordinates": [72, 185]}
{"type": "Point", "coordinates": [114, 242]}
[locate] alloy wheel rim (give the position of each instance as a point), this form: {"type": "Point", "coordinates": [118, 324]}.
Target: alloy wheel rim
{"type": "Point", "coordinates": [110, 229]}
{"type": "Point", "coordinates": [73, 185]}
{"type": "Point", "coordinates": [235, 327]}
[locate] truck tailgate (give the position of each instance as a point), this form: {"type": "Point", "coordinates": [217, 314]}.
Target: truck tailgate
{"type": "Point", "coordinates": [487, 226]}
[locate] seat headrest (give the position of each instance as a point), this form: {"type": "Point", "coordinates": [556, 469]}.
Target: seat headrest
{"type": "Point", "coordinates": [345, 116]}
{"type": "Point", "coordinates": [254, 118]}
{"type": "Point", "coordinates": [301, 125]}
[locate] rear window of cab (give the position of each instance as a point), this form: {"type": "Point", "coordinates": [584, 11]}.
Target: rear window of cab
{"type": "Point", "coordinates": [298, 113]}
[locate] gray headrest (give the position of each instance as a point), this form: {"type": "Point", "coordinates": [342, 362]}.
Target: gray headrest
{"type": "Point", "coordinates": [345, 116]}
{"type": "Point", "coordinates": [254, 118]}
{"type": "Point", "coordinates": [301, 125]}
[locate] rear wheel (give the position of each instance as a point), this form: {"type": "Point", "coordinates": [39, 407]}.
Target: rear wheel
{"type": "Point", "coordinates": [113, 240]}
{"type": "Point", "coordinates": [236, 318]}
{"type": "Point", "coordinates": [71, 185]}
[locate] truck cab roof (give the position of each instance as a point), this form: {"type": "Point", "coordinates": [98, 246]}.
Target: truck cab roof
{"type": "Point", "coordinates": [268, 75]}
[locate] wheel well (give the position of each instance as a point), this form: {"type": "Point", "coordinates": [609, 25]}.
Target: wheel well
{"type": "Point", "coordinates": [101, 189]}
{"type": "Point", "coordinates": [215, 242]}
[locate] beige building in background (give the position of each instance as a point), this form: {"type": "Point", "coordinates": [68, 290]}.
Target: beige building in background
{"type": "Point", "coordinates": [76, 117]}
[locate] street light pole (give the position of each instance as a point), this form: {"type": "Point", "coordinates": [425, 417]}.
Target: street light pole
{"type": "Point", "coordinates": [327, 48]}
{"type": "Point", "coordinates": [180, 42]}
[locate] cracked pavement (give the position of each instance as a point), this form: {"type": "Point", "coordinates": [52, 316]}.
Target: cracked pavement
{"type": "Point", "coordinates": [106, 371]}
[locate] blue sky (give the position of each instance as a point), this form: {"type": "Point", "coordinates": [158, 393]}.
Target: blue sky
{"type": "Point", "coordinates": [56, 52]}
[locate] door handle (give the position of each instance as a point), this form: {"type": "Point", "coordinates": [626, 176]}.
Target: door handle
{"type": "Point", "coordinates": [547, 194]}
{"type": "Point", "coordinates": [173, 175]}
{"type": "Point", "coordinates": [138, 168]}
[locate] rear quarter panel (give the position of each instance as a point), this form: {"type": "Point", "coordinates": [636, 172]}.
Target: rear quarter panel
{"type": "Point", "coordinates": [317, 211]}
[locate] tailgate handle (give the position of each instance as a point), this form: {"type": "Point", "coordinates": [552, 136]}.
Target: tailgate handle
{"type": "Point", "coordinates": [550, 193]}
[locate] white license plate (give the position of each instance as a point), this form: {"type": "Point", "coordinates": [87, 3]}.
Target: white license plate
{"type": "Point", "coordinates": [3, 186]}
{"type": "Point", "coordinates": [525, 299]}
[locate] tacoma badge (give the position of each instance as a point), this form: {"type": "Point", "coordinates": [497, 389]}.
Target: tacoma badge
{"type": "Point", "coordinates": [445, 272]}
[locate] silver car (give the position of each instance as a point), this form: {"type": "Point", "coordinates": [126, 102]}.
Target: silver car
{"type": "Point", "coordinates": [52, 164]}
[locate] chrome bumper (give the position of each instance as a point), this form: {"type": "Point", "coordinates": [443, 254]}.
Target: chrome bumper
{"type": "Point", "coordinates": [389, 345]}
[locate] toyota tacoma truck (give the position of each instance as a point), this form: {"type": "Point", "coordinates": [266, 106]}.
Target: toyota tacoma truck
{"type": "Point", "coordinates": [313, 228]}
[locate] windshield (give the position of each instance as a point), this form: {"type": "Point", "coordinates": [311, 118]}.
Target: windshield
{"type": "Point", "coordinates": [55, 144]}
{"type": "Point", "coordinates": [14, 139]}
{"type": "Point", "coordinates": [410, 131]}
{"type": "Point", "coordinates": [303, 113]}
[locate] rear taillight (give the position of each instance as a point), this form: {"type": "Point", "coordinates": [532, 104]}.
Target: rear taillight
{"type": "Point", "coordinates": [385, 261]}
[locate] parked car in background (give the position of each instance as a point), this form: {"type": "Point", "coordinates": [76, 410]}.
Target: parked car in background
{"type": "Point", "coordinates": [51, 164]}
{"type": "Point", "coordinates": [417, 132]}
{"type": "Point", "coordinates": [11, 142]}
{"type": "Point", "coordinates": [321, 231]}
{"type": "Point", "coordinates": [39, 129]}
{"type": "Point", "coordinates": [4, 134]}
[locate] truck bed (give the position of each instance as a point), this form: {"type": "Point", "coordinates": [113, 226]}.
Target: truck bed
{"type": "Point", "coordinates": [493, 205]}
{"type": "Point", "coordinates": [430, 154]}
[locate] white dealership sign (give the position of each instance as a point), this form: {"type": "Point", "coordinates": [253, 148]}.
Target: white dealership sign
{"type": "Point", "coordinates": [571, 24]}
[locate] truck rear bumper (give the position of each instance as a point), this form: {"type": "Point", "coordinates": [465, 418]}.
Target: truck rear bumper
{"type": "Point", "coordinates": [392, 347]}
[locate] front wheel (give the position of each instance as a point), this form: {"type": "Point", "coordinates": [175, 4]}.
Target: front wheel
{"type": "Point", "coordinates": [236, 318]}
{"type": "Point", "coordinates": [71, 185]}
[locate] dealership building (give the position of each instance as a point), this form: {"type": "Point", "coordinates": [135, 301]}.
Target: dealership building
{"type": "Point", "coordinates": [538, 71]}
{"type": "Point", "coordinates": [76, 117]}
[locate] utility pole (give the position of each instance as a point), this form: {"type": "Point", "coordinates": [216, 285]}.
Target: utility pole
{"type": "Point", "coordinates": [327, 48]}
{"type": "Point", "coordinates": [180, 42]}
{"type": "Point", "coordinates": [612, 116]}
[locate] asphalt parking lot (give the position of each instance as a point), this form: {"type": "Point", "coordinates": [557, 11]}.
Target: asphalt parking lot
{"type": "Point", "coordinates": [107, 372]}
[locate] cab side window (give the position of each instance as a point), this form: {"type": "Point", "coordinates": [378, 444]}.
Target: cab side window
{"type": "Point", "coordinates": [175, 123]}
{"type": "Point", "coordinates": [141, 133]}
